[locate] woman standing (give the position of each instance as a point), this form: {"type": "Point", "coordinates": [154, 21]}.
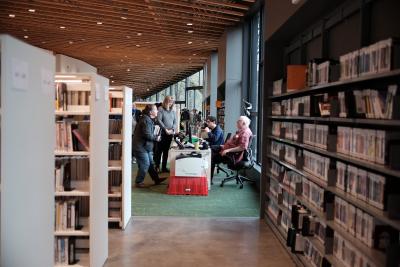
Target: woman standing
{"type": "Point", "coordinates": [143, 142]}
{"type": "Point", "coordinates": [167, 121]}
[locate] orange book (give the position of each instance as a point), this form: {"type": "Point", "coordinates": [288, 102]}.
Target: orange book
{"type": "Point", "coordinates": [296, 77]}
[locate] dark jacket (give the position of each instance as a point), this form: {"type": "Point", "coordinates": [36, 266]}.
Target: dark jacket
{"type": "Point", "coordinates": [216, 137]}
{"type": "Point", "coordinates": [143, 139]}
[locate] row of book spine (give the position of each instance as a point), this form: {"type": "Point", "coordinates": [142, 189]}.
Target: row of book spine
{"type": "Point", "coordinates": [291, 107]}
{"type": "Point", "coordinates": [364, 185]}
{"type": "Point", "coordinates": [313, 193]}
{"type": "Point", "coordinates": [312, 254]}
{"type": "Point", "coordinates": [72, 136]}
{"type": "Point", "coordinates": [114, 181]}
{"type": "Point", "coordinates": [116, 102]}
{"type": "Point", "coordinates": [347, 254]}
{"type": "Point", "coordinates": [70, 169]}
{"type": "Point", "coordinates": [366, 144]}
{"type": "Point", "coordinates": [67, 215]}
{"type": "Point", "coordinates": [376, 58]}
{"type": "Point", "coordinates": [64, 251]}
{"type": "Point", "coordinates": [115, 126]}
{"type": "Point", "coordinates": [115, 151]}
{"type": "Point", "coordinates": [68, 99]}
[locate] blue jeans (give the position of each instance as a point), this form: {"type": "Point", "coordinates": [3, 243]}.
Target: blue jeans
{"type": "Point", "coordinates": [145, 164]}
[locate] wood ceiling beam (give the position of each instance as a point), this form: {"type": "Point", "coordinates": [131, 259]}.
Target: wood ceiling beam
{"type": "Point", "coordinates": [223, 4]}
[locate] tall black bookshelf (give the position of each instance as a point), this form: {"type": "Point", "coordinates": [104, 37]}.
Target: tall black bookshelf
{"type": "Point", "coordinates": [328, 31]}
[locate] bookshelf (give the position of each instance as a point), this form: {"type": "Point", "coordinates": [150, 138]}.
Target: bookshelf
{"type": "Point", "coordinates": [27, 152]}
{"type": "Point", "coordinates": [120, 154]}
{"type": "Point", "coordinates": [334, 138]}
{"type": "Point", "coordinates": [82, 105]}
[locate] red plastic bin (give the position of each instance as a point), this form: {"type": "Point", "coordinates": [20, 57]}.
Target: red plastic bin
{"type": "Point", "coordinates": [179, 185]}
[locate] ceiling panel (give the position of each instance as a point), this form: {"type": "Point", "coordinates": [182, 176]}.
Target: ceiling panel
{"type": "Point", "coordinates": [144, 44]}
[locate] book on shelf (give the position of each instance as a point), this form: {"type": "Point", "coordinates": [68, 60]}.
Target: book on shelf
{"type": "Point", "coordinates": [70, 172]}
{"type": "Point", "coordinates": [67, 141]}
{"type": "Point", "coordinates": [115, 151]}
{"type": "Point", "coordinates": [67, 213]}
{"type": "Point", "coordinates": [114, 181]}
{"type": "Point", "coordinates": [65, 251]}
{"type": "Point", "coordinates": [296, 77]}
{"type": "Point", "coordinates": [84, 143]}
{"type": "Point", "coordinates": [379, 57]}
{"type": "Point", "coordinates": [277, 88]}
{"type": "Point", "coordinates": [72, 97]}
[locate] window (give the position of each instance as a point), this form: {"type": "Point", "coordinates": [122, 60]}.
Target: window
{"type": "Point", "coordinates": [253, 67]}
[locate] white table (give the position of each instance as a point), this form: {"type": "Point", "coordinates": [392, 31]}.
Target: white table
{"type": "Point", "coordinates": [206, 154]}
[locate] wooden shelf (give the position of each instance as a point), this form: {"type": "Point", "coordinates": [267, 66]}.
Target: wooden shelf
{"type": "Point", "coordinates": [115, 113]}
{"type": "Point", "coordinates": [115, 140]}
{"type": "Point", "coordinates": [115, 168]}
{"type": "Point", "coordinates": [83, 232]}
{"type": "Point", "coordinates": [370, 122]}
{"type": "Point", "coordinates": [342, 84]}
{"type": "Point", "coordinates": [115, 195]}
{"type": "Point", "coordinates": [71, 153]}
{"type": "Point", "coordinates": [282, 239]}
{"type": "Point", "coordinates": [72, 113]}
{"type": "Point", "coordinates": [377, 213]}
{"type": "Point", "coordinates": [83, 261]}
{"type": "Point", "coordinates": [280, 206]}
{"type": "Point", "coordinates": [72, 193]}
{"type": "Point", "coordinates": [114, 219]}
{"type": "Point", "coordinates": [359, 162]}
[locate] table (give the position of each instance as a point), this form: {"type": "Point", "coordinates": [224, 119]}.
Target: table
{"type": "Point", "coordinates": [206, 154]}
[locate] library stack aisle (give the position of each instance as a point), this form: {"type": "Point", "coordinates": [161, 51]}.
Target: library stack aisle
{"type": "Point", "coordinates": [81, 234]}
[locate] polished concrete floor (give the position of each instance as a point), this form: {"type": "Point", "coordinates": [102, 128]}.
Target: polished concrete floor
{"type": "Point", "coordinates": [182, 241]}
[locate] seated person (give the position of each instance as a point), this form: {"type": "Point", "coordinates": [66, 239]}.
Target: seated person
{"type": "Point", "coordinates": [235, 146]}
{"type": "Point", "coordinates": [215, 135]}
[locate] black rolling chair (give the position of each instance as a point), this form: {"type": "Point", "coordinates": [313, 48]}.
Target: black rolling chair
{"type": "Point", "coordinates": [218, 166]}
{"type": "Point", "coordinates": [247, 162]}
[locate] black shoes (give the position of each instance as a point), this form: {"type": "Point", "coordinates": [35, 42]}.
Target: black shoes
{"type": "Point", "coordinates": [159, 181]}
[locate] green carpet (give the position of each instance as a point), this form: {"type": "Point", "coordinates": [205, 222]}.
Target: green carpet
{"type": "Point", "coordinates": [227, 201]}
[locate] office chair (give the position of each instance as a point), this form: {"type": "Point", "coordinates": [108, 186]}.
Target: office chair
{"type": "Point", "coordinates": [219, 168]}
{"type": "Point", "coordinates": [247, 162]}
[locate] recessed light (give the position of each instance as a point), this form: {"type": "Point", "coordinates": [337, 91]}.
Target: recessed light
{"type": "Point", "coordinates": [128, 37]}
{"type": "Point", "coordinates": [139, 34]}
{"type": "Point", "coordinates": [190, 31]}
{"type": "Point", "coordinates": [128, 70]}
{"type": "Point", "coordinates": [122, 60]}
{"type": "Point", "coordinates": [189, 24]}
{"type": "Point", "coordinates": [190, 42]}
{"type": "Point", "coordinates": [147, 89]}
{"type": "Point", "coordinates": [147, 42]}
{"type": "Point", "coordinates": [43, 42]}
{"type": "Point", "coordinates": [62, 27]}
{"type": "Point", "coordinates": [112, 81]}
{"type": "Point", "coordinates": [206, 42]}
{"type": "Point", "coordinates": [138, 45]}
{"type": "Point", "coordinates": [111, 76]}
{"type": "Point", "coordinates": [107, 46]}
{"type": "Point", "coordinates": [123, 17]}
{"type": "Point", "coordinates": [31, 10]}
{"type": "Point", "coordinates": [190, 58]}
{"type": "Point", "coordinates": [194, 54]}
{"type": "Point", "coordinates": [26, 36]}
{"type": "Point", "coordinates": [25, 30]}
{"type": "Point", "coordinates": [11, 15]}
{"type": "Point", "coordinates": [99, 23]}
{"type": "Point", "coordinates": [70, 42]}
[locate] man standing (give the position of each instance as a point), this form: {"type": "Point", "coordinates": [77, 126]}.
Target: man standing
{"type": "Point", "coordinates": [136, 113]}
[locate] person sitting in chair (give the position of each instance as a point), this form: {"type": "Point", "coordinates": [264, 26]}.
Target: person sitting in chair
{"type": "Point", "coordinates": [215, 135]}
{"type": "Point", "coordinates": [232, 151]}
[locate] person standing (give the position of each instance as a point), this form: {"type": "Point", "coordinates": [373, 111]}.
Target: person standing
{"type": "Point", "coordinates": [136, 113]}
{"type": "Point", "coordinates": [167, 120]}
{"type": "Point", "coordinates": [143, 142]}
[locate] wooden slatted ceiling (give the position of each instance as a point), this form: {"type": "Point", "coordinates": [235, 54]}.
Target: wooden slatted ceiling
{"type": "Point", "coordinates": [144, 44]}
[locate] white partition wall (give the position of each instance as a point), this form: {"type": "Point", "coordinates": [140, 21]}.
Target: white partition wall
{"type": "Point", "coordinates": [99, 172]}
{"type": "Point", "coordinates": [120, 192]}
{"type": "Point", "coordinates": [27, 151]}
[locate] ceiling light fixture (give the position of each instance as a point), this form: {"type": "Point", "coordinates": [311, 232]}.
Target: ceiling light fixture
{"type": "Point", "coordinates": [31, 10]}
{"type": "Point", "coordinates": [190, 42]}
{"type": "Point", "coordinates": [138, 45]}
{"type": "Point", "coordinates": [128, 37]}
{"type": "Point", "coordinates": [112, 81]}
{"type": "Point", "coordinates": [67, 81]}
{"type": "Point", "coordinates": [139, 34]}
{"type": "Point", "coordinates": [99, 23]}
{"type": "Point", "coordinates": [147, 89]}
{"type": "Point", "coordinates": [25, 30]}
{"type": "Point", "coordinates": [62, 27]}
{"type": "Point", "coordinates": [189, 24]}
{"type": "Point", "coordinates": [11, 15]}
{"type": "Point", "coordinates": [71, 42]}
{"type": "Point", "coordinates": [190, 31]}
{"type": "Point", "coordinates": [194, 54]}
{"type": "Point", "coordinates": [26, 36]}
{"type": "Point", "coordinates": [128, 70]}
{"type": "Point", "coordinates": [111, 76]}
{"type": "Point", "coordinates": [107, 46]}
{"type": "Point", "coordinates": [123, 17]}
